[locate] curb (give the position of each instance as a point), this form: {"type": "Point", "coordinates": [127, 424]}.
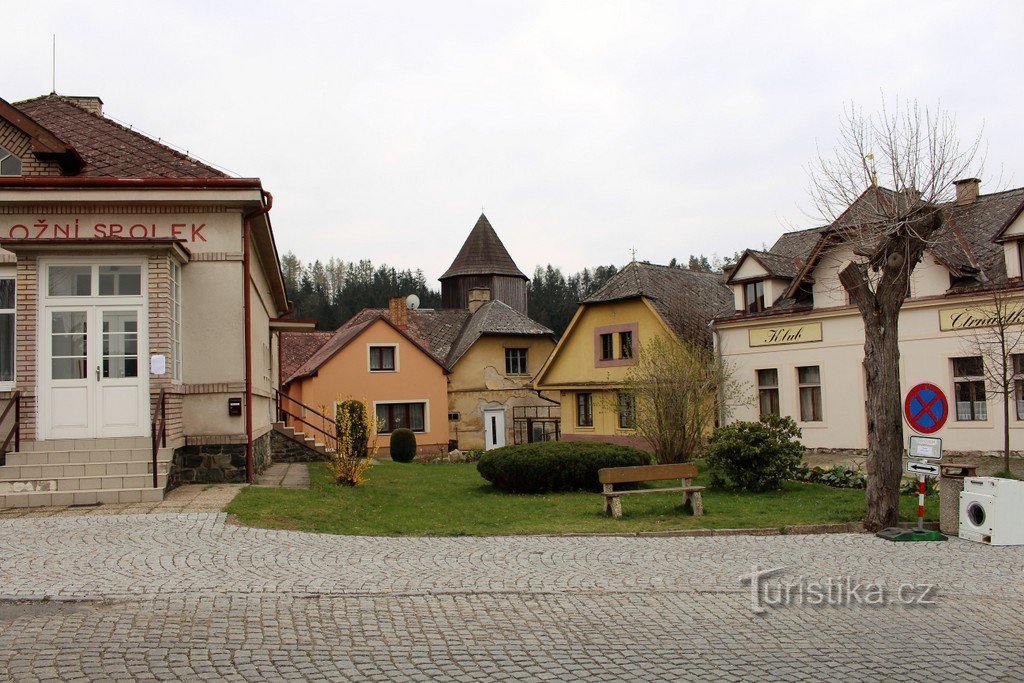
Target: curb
{"type": "Point", "coordinates": [792, 530]}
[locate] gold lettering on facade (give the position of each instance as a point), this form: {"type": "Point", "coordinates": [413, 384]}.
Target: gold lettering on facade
{"type": "Point", "coordinates": [785, 334]}
{"type": "Point", "coordinates": [980, 316]}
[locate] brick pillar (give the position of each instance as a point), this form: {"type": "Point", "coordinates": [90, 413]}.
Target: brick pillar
{"type": "Point", "coordinates": [25, 342]}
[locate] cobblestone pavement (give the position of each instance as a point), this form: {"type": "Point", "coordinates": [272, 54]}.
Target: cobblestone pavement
{"type": "Point", "coordinates": [188, 596]}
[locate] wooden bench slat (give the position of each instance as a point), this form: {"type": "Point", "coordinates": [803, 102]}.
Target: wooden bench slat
{"type": "Point", "coordinates": [676, 489]}
{"type": "Point", "coordinates": [623, 475]}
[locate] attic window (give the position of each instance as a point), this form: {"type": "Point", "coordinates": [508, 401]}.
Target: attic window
{"type": "Point", "coordinates": [10, 165]}
{"type": "Point", "coordinates": [753, 296]}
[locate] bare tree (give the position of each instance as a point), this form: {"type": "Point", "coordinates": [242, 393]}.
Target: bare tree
{"type": "Point", "coordinates": [882, 191]}
{"type": "Point", "coordinates": [671, 395]}
{"type": "Point", "coordinates": [998, 337]}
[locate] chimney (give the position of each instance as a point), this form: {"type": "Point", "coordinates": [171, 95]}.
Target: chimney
{"type": "Point", "coordinates": [478, 296]}
{"type": "Point", "coordinates": [967, 190]}
{"type": "Point", "coordinates": [399, 312]}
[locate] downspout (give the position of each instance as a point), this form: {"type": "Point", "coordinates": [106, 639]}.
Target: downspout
{"type": "Point", "coordinates": [717, 344]}
{"type": "Point", "coordinates": [267, 203]}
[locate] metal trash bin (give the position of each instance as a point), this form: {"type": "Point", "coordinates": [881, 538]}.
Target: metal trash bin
{"type": "Point", "coordinates": [951, 485]}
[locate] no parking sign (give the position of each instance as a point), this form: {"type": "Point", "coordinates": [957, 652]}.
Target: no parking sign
{"type": "Point", "coordinates": [926, 408]}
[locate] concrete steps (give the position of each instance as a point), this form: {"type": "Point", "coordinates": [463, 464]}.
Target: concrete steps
{"type": "Point", "coordinates": [300, 437]}
{"type": "Point", "coordinates": [83, 472]}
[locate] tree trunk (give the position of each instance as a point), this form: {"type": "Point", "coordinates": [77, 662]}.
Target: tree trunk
{"type": "Point", "coordinates": [1006, 426]}
{"type": "Point", "coordinates": [884, 408]}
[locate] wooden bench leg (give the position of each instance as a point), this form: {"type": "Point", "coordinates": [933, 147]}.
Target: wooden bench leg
{"type": "Point", "coordinates": [616, 507]}
{"type": "Point", "coordinates": [698, 504]}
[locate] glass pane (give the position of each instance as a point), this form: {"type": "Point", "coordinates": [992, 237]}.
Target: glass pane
{"type": "Point", "coordinates": [768, 378]}
{"type": "Point", "coordinates": [769, 401]}
{"type": "Point", "coordinates": [119, 367]}
{"type": "Point", "coordinates": [120, 280]}
{"type": "Point", "coordinates": [416, 409]}
{"type": "Point", "coordinates": [67, 345]}
{"type": "Point", "coordinates": [809, 375]}
{"type": "Point", "coordinates": [1018, 364]}
{"type": "Point", "coordinates": [7, 293]}
{"type": "Point", "coordinates": [10, 166]}
{"type": "Point", "coordinates": [70, 280]}
{"type": "Point", "coordinates": [968, 367]}
{"type": "Point", "coordinates": [120, 344]}
{"type": "Point", "coordinates": [68, 368]}
{"type": "Point", "coordinates": [6, 347]}
{"type": "Point", "coordinates": [810, 404]}
{"type": "Point", "coordinates": [67, 322]}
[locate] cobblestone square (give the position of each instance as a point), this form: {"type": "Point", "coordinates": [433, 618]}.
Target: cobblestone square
{"type": "Point", "coordinates": [192, 597]}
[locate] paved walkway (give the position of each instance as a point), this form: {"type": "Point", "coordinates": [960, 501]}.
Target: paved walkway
{"type": "Point", "coordinates": [191, 498]}
{"type": "Point", "coordinates": [287, 475]}
{"type": "Point", "coordinates": [187, 597]}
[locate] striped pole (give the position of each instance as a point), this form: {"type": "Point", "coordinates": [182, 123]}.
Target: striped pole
{"type": "Point", "coordinates": [920, 502]}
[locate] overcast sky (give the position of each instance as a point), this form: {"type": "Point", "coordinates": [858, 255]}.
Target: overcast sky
{"type": "Point", "coordinates": [582, 129]}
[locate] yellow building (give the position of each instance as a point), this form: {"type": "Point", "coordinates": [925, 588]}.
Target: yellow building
{"type": "Point", "coordinates": [589, 366]}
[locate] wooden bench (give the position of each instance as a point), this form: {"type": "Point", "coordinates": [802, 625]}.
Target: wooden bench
{"type": "Point", "coordinates": [610, 476]}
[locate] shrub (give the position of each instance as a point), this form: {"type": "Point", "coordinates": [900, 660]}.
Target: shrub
{"type": "Point", "coordinates": [838, 477]}
{"type": "Point", "coordinates": [351, 418]}
{"type": "Point", "coordinates": [754, 456]}
{"type": "Point", "coordinates": [548, 466]}
{"type": "Point", "coordinates": [403, 445]}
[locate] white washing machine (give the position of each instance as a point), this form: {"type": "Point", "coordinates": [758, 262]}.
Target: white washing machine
{"type": "Point", "coordinates": [992, 511]}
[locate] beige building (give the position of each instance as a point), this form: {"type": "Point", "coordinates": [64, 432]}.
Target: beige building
{"type": "Point", "coordinates": [140, 293]}
{"type": "Point", "coordinates": [797, 345]}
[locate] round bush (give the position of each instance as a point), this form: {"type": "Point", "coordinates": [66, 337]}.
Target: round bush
{"type": "Point", "coordinates": [403, 445]}
{"type": "Point", "coordinates": [548, 466]}
{"type": "Point", "coordinates": [754, 456]}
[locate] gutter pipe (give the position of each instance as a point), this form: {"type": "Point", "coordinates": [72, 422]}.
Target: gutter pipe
{"type": "Point", "coordinates": [268, 203]}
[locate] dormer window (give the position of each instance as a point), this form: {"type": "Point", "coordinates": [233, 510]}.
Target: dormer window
{"type": "Point", "coordinates": [10, 165]}
{"type": "Point", "coordinates": [753, 297]}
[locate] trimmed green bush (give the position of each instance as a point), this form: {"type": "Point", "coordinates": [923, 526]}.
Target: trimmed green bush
{"type": "Point", "coordinates": [403, 445]}
{"type": "Point", "coordinates": [351, 416]}
{"type": "Point", "coordinates": [548, 466]}
{"type": "Point", "coordinates": [754, 456]}
{"type": "Point", "coordinates": [838, 477]}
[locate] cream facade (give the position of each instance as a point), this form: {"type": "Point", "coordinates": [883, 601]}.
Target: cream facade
{"type": "Point", "coordinates": [805, 359]}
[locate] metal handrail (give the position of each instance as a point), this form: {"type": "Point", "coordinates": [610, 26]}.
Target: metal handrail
{"type": "Point", "coordinates": [282, 413]}
{"type": "Point", "coordinates": [159, 413]}
{"type": "Point", "coordinates": [15, 433]}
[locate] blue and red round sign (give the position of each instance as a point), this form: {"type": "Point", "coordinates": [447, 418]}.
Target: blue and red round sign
{"type": "Point", "coordinates": [926, 408]}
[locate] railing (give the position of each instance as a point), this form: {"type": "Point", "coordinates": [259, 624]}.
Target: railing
{"type": "Point", "coordinates": [326, 427]}
{"type": "Point", "coordinates": [159, 435]}
{"type": "Point", "coordinates": [14, 402]}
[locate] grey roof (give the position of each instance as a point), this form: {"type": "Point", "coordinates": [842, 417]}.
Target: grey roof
{"type": "Point", "coordinates": [494, 318]}
{"type": "Point", "coordinates": [778, 265]}
{"type": "Point", "coordinates": [483, 254]}
{"type": "Point", "coordinates": [686, 299]}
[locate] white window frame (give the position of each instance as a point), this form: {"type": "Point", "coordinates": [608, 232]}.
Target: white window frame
{"type": "Point", "coordinates": [369, 359]}
{"type": "Point", "coordinates": [10, 273]}
{"type": "Point", "coordinates": [800, 386]}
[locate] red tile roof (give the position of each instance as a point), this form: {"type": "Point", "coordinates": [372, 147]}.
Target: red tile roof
{"type": "Point", "coordinates": [297, 347]}
{"type": "Point", "coordinates": [109, 149]}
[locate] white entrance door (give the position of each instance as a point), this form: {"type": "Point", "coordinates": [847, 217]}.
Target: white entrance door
{"type": "Point", "coordinates": [494, 429]}
{"type": "Point", "coordinates": [94, 383]}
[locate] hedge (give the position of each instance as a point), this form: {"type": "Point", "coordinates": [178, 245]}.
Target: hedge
{"type": "Point", "coordinates": [549, 466]}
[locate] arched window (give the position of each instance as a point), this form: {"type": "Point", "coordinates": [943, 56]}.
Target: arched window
{"type": "Point", "coordinates": [9, 164]}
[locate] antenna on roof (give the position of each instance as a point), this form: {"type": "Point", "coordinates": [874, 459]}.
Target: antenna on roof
{"type": "Point", "coordinates": [870, 158]}
{"type": "Point", "coordinates": [53, 67]}
{"type": "Point", "coordinates": [633, 254]}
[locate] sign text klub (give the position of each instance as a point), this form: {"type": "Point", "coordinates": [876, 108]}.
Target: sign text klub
{"type": "Point", "coordinates": [77, 229]}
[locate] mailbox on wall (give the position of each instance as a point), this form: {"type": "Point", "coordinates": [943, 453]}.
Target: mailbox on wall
{"type": "Point", "coordinates": [234, 407]}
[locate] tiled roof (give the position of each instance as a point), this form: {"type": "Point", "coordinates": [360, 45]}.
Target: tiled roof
{"type": "Point", "coordinates": [109, 149]}
{"type": "Point", "coordinates": [686, 299]}
{"type": "Point", "coordinates": [777, 265]}
{"type": "Point", "coordinates": [494, 318]}
{"type": "Point", "coordinates": [297, 347]}
{"type": "Point", "coordinates": [483, 254]}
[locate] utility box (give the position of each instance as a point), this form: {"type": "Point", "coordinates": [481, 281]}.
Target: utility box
{"type": "Point", "coordinates": [951, 485]}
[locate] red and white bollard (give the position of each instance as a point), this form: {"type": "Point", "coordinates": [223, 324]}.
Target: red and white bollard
{"type": "Point", "coordinates": [920, 502]}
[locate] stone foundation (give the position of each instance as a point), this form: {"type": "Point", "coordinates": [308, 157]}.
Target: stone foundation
{"type": "Point", "coordinates": [217, 463]}
{"type": "Point", "coordinates": [283, 449]}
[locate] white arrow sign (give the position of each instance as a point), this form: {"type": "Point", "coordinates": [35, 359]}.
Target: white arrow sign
{"type": "Point", "coordinates": [924, 468]}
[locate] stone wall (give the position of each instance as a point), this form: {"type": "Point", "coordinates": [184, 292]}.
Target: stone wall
{"type": "Point", "coordinates": [217, 463]}
{"type": "Point", "coordinates": [283, 449]}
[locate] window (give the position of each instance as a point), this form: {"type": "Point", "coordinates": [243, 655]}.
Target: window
{"type": "Point", "coordinates": [9, 164]}
{"type": "Point", "coordinates": [120, 280]}
{"type": "Point", "coordinates": [1018, 383]}
{"type": "Point", "coordinates": [515, 362]}
{"type": "Point", "coordinates": [753, 296]}
{"type": "Point", "coordinates": [969, 389]}
{"type": "Point", "coordinates": [809, 380]}
{"type": "Point", "coordinates": [627, 410]}
{"type": "Point", "coordinates": [176, 346]}
{"type": "Point", "coordinates": [584, 410]}
{"type": "Point", "coordinates": [70, 281]}
{"type": "Point", "coordinates": [7, 299]}
{"type": "Point", "coordinates": [626, 344]}
{"type": "Point", "coordinates": [454, 417]}
{"type": "Point", "coordinates": [382, 359]}
{"type": "Point", "coordinates": [1020, 258]}
{"type": "Point", "coordinates": [392, 416]}
{"type": "Point", "coordinates": [607, 347]}
{"type": "Point", "coordinates": [768, 391]}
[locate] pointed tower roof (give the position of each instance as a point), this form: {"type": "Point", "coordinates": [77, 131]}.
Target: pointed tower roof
{"type": "Point", "coordinates": [483, 254]}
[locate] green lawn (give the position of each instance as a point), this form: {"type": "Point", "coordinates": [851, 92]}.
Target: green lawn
{"type": "Point", "coordinates": [453, 500]}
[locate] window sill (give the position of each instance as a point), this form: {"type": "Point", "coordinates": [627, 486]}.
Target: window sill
{"type": "Point", "coordinates": [812, 425]}
{"type": "Point", "coordinates": [383, 372]}
{"type": "Point", "coordinates": [585, 429]}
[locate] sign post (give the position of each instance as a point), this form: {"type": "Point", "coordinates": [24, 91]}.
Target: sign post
{"type": "Point", "coordinates": [926, 410]}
